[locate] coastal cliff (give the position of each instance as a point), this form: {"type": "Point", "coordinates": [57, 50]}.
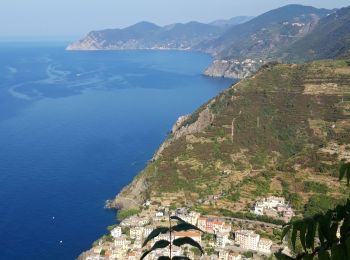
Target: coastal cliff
{"type": "Point", "coordinates": [233, 68]}
{"type": "Point", "coordinates": [136, 192]}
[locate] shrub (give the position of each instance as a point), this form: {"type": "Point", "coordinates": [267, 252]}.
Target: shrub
{"type": "Point", "coordinates": [125, 213]}
{"type": "Point", "coordinates": [317, 187]}
{"type": "Point", "coordinates": [234, 197]}
{"type": "Point", "coordinates": [248, 254]}
{"type": "Point", "coordinates": [318, 204]}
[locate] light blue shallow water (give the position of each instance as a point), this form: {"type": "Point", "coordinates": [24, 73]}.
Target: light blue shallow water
{"type": "Point", "coordinates": [75, 127]}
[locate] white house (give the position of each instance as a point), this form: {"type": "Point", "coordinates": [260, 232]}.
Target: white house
{"type": "Point", "coordinates": [136, 233]}
{"type": "Point", "coordinates": [122, 241]}
{"type": "Point", "coordinates": [223, 254]}
{"type": "Point", "coordinates": [247, 239]}
{"type": "Point", "coordinates": [273, 202]}
{"type": "Point", "coordinates": [226, 228]}
{"type": "Point", "coordinates": [116, 232]}
{"type": "Point", "coordinates": [222, 239]}
{"type": "Point", "coordinates": [159, 214]}
{"type": "Point", "coordinates": [146, 231]}
{"type": "Point", "coordinates": [264, 246]}
{"type": "Point", "coordinates": [194, 217]}
{"type": "Point", "coordinates": [274, 207]}
{"type": "Point", "coordinates": [259, 208]}
{"type": "Point", "coordinates": [143, 221]}
{"type": "Point", "coordinates": [234, 256]}
{"type": "Point", "coordinates": [226, 255]}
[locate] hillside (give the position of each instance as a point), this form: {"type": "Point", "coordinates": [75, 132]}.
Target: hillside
{"type": "Point", "coordinates": [233, 21]}
{"type": "Point", "coordinates": [265, 33]}
{"type": "Point", "coordinates": [309, 34]}
{"type": "Point", "coordinates": [331, 38]}
{"type": "Point", "coordinates": [146, 35]}
{"type": "Point", "coordinates": [279, 132]}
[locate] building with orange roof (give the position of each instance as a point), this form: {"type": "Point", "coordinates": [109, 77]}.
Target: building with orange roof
{"type": "Point", "coordinates": [195, 235]}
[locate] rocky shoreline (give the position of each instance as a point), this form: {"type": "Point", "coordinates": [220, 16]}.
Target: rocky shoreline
{"type": "Point", "coordinates": [133, 195]}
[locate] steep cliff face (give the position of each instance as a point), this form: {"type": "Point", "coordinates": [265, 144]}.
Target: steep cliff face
{"type": "Point", "coordinates": [285, 125]}
{"type": "Point", "coordinates": [233, 68]}
{"type": "Point", "coordinates": [135, 193]}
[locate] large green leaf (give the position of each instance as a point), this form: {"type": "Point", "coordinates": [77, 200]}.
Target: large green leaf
{"type": "Point", "coordinates": [184, 226]}
{"type": "Point", "coordinates": [308, 257]}
{"type": "Point", "coordinates": [311, 233]}
{"type": "Point", "coordinates": [345, 226]}
{"type": "Point", "coordinates": [177, 218]}
{"type": "Point", "coordinates": [323, 255]}
{"type": "Point", "coordinates": [285, 230]}
{"type": "Point", "coordinates": [302, 233]}
{"type": "Point", "coordinates": [347, 243]}
{"type": "Point", "coordinates": [337, 252]}
{"type": "Point", "coordinates": [333, 231]}
{"type": "Point", "coordinates": [157, 245]}
{"type": "Point", "coordinates": [187, 240]}
{"type": "Point", "coordinates": [294, 236]}
{"type": "Point", "coordinates": [324, 224]}
{"type": "Point", "coordinates": [156, 232]}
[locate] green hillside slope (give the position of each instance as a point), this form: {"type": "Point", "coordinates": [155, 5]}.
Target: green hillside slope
{"type": "Point", "coordinates": [279, 132]}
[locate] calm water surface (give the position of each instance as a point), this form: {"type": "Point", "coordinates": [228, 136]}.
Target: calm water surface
{"type": "Point", "coordinates": [75, 127]}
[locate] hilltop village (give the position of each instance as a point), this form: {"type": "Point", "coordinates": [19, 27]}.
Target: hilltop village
{"type": "Point", "coordinates": [222, 238]}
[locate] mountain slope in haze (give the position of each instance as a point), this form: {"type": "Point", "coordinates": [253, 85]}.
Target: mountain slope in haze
{"type": "Point", "coordinates": [233, 21]}
{"type": "Point", "coordinates": [146, 35]}
{"type": "Point", "coordinates": [271, 134]}
{"type": "Point", "coordinates": [304, 38]}
{"type": "Point", "coordinates": [263, 33]}
{"type": "Point", "coordinates": [241, 50]}
{"type": "Point", "coordinates": [330, 38]}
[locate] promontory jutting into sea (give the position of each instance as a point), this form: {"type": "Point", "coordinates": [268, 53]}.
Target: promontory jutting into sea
{"type": "Point", "coordinates": [227, 139]}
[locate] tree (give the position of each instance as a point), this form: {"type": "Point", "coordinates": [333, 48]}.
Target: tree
{"type": "Point", "coordinates": [324, 235]}
{"type": "Point", "coordinates": [181, 226]}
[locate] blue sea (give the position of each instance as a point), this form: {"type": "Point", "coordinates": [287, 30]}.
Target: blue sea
{"type": "Point", "coordinates": [75, 127]}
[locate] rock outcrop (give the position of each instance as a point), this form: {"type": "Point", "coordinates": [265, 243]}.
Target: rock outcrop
{"type": "Point", "coordinates": [231, 69]}
{"type": "Point", "coordinates": [135, 193]}
{"type": "Point", "coordinates": [182, 128]}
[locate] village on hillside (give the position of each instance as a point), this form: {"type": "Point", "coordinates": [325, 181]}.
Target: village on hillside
{"type": "Point", "coordinates": [222, 238]}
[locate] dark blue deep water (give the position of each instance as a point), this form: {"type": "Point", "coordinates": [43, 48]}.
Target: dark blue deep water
{"type": "Point", "coordinates": [75, 127]}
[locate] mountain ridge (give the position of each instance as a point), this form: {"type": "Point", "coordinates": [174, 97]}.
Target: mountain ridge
{"type": "Point", "coordinates": [240, 47]}
{"type": "Point", "coordinates": [145, 35]}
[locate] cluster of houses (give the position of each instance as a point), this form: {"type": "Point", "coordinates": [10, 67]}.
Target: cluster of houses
{"type": "Point", "coordinates": [126, 239]}
{"type": "Point", "coordinates": [246, 62]}
{"type": "Point", "coordinates": [275, 207]}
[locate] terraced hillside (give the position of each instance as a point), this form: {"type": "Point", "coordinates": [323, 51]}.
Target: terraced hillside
{"type": "Point", "coordinates": [281, 132]}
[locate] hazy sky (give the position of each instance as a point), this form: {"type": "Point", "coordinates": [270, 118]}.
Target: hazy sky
{"type": "Point", "coordinates": [46, 18]}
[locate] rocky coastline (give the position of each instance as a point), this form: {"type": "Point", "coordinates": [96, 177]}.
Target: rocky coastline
{"type": "Point", "coordinates": [134, 194]}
